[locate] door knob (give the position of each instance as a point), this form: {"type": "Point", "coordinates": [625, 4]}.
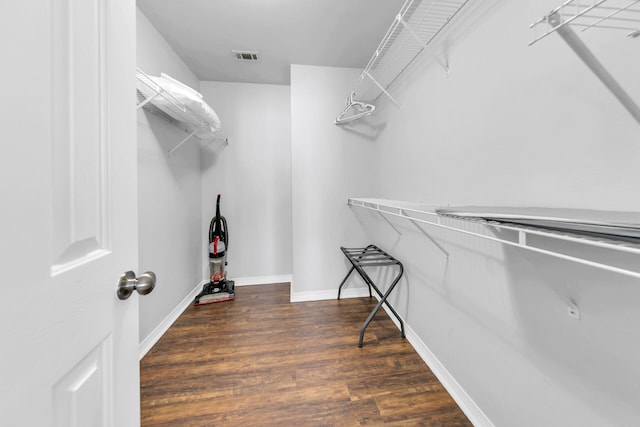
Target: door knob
{"type": "Point", "coordinates": [129, 282]}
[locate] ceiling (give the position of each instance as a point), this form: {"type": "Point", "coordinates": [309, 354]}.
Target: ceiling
{"type": "Point", "coordinates": [335, 33]}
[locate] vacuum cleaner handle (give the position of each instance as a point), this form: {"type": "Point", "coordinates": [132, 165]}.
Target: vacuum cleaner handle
{"type": "Point", "coordinates": [225, 234]}
{"type": "Point", "coordinates": [218, 227]}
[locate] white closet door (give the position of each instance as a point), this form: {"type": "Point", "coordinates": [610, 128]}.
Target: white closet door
{"type": "Point", "coordinates": [69, 214]}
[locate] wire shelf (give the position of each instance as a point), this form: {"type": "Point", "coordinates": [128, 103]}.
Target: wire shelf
{"type": "Point", "coordinates": [155, 99]}
{"type": "Point", "coordinates": [150, 91]}
{"type": "Point", "coordinates": [523, 234]}
{"type": "Point", "coordinates": [413, 30]}
{"type": "Point", "coordinates": [609, 14]}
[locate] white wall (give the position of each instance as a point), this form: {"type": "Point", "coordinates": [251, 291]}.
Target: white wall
{"type": "Point", "coordinates": [511, 125]}
{"type": "Point", "coordinates": [515, 124]}
{"type": "Point", "coordinates": [253, 175]}
{"type": "Point", "coordinates": [329, 164]}
{"type": "Point", "coordinates": [169, 192]}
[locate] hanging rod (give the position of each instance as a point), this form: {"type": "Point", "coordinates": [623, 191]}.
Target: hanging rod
{"type": "Point", "coordinates": [419, 213]}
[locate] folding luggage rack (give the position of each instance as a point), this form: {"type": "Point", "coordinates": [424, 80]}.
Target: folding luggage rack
{"type": "Point", "coordinates": [372, 256]}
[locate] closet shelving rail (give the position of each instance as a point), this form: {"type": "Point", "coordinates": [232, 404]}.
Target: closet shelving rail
{"type": "Point", "coordinates": [518, 236]}
{"type": "Point", "coordinates": [607, 14]}
{"type": "Point", "coordinates": [413, 30]}
{"type": "Point", "coordinates": [175, 112]}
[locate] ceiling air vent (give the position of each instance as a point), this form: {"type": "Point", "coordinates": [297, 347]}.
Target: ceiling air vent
{"type": "Point", "coordinates": [245, 55]}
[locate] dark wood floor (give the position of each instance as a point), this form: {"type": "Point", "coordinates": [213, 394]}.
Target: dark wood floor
{"type": "Point", "coordinates": [262, 361]}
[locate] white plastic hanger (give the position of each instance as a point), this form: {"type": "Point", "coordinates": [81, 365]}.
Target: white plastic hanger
{"type": "Point", "coordinates": [354, 110]}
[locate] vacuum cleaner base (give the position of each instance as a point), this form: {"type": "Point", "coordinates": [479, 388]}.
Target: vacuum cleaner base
{"type": "Point", "coordinates": [211, 293]}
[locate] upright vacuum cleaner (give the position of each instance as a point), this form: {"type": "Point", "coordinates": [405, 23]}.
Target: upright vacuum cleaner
{"type": "Point", "coordinates": [219, 288]}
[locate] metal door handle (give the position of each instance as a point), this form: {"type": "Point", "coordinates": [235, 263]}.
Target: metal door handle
{"type": "Point", "coordinates": [129, 282]}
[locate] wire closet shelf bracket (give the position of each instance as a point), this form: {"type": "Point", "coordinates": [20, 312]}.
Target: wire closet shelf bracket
{"type": "Point", "coordinates": [607, 14]}
{"type": "Point", "coordinates": [413, 30]}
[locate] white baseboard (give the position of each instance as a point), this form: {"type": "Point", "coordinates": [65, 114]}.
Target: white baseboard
{"type": "Point", "coordinates": [151, 339]}
{"type": "Point", "coordinates": [328, 294]}
{"type": "Point", "coordinates": [464, 401]}
{"type": "Point", "coordinates": [261, 280]}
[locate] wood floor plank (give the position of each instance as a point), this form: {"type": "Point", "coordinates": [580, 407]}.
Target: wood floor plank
{"type": "Point", "coordinates": [261, 361]}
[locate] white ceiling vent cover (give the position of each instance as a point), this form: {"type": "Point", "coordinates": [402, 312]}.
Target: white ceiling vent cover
{"type": "Point", "coordinates": [245, 55]}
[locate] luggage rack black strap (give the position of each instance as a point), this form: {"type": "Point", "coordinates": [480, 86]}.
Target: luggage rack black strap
{"type": "Point", "coordinates": [372, 256]}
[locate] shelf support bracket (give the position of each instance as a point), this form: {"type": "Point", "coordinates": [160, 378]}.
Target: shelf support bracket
{"type": "Point", "coordinates": [583, 52]}
{"type": "Point", "coordinates": [375, 82]}
{"type": "Point", "coordinates": [389, 222]}
{"type": "Point", "coordinates": [522, 238]}
{"type": "Point", "coordinates": [438, 245]}
{"type": "Point", "coordinates": [148, 100]}
{"type": "Point", "coordinates": [445, 66]}
{"type": "Point", "coordinates": [184, 140]}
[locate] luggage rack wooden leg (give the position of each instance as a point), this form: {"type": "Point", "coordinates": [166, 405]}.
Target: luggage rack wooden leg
{"type": "Point", "coordinates": [372, 256]}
